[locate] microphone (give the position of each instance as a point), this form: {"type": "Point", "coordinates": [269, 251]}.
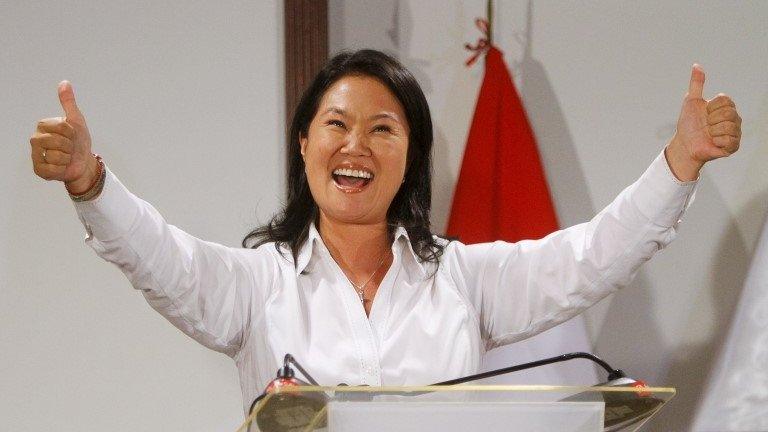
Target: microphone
{"type": "Point", "coordinates": [613, 374]}
{"type": "Point", "coordinates": [287, 411]}
{"type": "Point", "coordinates": [622, 409]}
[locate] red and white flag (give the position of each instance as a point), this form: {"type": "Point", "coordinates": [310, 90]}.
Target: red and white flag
{"type": "Point", "coordinates": [502, 194]}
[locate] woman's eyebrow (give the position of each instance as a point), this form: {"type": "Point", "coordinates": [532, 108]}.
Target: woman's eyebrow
{"type": "Point", "coordinates": [335, 109]}
{"type": "Point", "coordinates": [384, 115]}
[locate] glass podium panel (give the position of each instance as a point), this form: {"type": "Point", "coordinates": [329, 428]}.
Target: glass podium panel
{"type": "Point", "coordinates": [456, 408]}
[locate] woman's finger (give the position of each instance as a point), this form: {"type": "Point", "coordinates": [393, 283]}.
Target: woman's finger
{"type": "Point", "coordinates": [56, 125]}
{"type": "Point", "coordinates": [49, 171]}
{"type": "Point", "coordinates": [51, 141]}
{"type": "Point", "coordinates": [720, 101]}
{"type": "Point", "coordinates": [727, 143]}
{"type": "Point", "coordinates": [725, 128]}
{"type": "Point", "coordinates": [723, 114]}
{"type": "Point", "coordinates": [54, 157]}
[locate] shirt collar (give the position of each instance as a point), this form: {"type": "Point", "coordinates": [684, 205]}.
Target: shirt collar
{"type": "Point", "coordinates": [306, 249]}
{"type": "Point", "coordinates": [401, 242]}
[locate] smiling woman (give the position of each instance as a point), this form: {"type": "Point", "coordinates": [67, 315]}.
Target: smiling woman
{"type": "Point", "coordinates": [355, 153]}
{"type": "Point", "coordinates": [349, 278]}
{"type": "Point", "coordinates": [360, 164]}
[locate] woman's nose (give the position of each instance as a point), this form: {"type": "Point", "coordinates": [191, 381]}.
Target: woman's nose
{"type": "Point", "coordinates": [356, 145]}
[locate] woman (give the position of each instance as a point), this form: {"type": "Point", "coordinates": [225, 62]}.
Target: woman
{"type": "Point", "coordinates": [348, 277]}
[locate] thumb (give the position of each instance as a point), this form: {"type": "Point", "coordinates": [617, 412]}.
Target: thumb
{"type": "Point", "coordinates": [696, 86]}
{"type": "Point", "coordinates": [67, 99]}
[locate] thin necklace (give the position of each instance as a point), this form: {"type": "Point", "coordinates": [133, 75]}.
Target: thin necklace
{"type": "Point", "coordinates": [360, 288]}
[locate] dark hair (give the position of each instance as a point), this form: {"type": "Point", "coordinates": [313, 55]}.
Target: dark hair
{"type": "Point", "coordinates": [411, 206]}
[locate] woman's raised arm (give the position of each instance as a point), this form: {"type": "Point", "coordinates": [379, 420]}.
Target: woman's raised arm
{"type": "Point", "coordinates": [207, 290]}
{"type": "Point", "coordinates": [520, 289]}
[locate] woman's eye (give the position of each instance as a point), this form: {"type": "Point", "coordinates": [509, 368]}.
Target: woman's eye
{"type": "Point", "coordinates": [338, 123]}
{"type": "Point", "coordinates": [382, 128]}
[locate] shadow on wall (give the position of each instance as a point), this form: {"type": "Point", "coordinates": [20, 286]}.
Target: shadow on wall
{"type": "Point", "coordinates": [400, 36]}
{"type": "Point", "coordinates": [685, 366]}
{"type": "Point", "coordinates": [443, 182]}
{"type": "Point", "coordinates": [443, 176]}
{"type": "Point", "coordinates": [566, 179]}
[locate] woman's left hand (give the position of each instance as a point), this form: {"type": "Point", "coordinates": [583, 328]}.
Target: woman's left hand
{"type": "Point", "coordinates": [706, 130]}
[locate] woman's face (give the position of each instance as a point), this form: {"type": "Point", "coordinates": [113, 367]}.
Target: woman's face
{"type": "Point", "coordinates": [355, 150]}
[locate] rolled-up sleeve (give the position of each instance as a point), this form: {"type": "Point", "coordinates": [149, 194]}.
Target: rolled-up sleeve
{"type": "Point", "coordinates": [521, 289]}
{"type": "Point", "coordinates": [205, 289]}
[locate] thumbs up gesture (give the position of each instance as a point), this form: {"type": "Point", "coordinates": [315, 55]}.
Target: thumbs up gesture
{"type": "Point", "coordinates": [706, 130]}
{"type": "Point", "coordinates": [61, 146]}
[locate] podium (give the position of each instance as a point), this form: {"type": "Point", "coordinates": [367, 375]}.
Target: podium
{"type": "Point", "coordinates": [456, 408]}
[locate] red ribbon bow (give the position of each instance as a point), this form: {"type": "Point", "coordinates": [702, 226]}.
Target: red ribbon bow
{"type": "Point", "coordinates": [483, 43]}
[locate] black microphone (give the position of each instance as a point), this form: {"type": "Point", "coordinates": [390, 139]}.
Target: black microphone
{"type": "Point", "coordinates": [612, 373]}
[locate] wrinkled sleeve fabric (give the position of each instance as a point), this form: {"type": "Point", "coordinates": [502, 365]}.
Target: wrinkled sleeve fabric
{"type": "Point", "coordinates": [205, 289]}
{"type": "Point", "coordinates": [521, 289]}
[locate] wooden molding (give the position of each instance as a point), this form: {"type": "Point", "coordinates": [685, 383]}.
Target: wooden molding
{"type": "Point", "coordinates": [306, 47]}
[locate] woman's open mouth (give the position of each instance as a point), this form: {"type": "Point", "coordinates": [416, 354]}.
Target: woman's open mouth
{"type": "Point", "coordinates": [351, 180]}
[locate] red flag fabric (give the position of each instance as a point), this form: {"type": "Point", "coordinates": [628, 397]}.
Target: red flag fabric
{"type": "Point", "coordinates": [502, 193]}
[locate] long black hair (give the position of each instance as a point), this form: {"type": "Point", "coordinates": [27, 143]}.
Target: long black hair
{"type": "Point", "coordinates": [411, 206]}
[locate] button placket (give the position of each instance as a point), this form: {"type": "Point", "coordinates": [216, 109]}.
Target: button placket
{"type": "Point", "coordinates": [361, 326]}
{"type": "Point", "coordinates": [380, 314]}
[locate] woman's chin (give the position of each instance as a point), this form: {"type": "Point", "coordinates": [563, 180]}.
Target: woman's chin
{"type": "Point", "coordinates": [352, 213]}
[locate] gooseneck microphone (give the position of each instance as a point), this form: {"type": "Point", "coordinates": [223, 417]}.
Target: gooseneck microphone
{"type": "Point", "coordinates": [621, 408]}
{"type": "Point", "coordinates": [286, 411]}
{"type": "Point", "coordinates": [613, 374]}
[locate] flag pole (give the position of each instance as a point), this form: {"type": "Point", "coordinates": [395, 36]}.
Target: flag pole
{"type": "Point", "coordinates": [489, 14]}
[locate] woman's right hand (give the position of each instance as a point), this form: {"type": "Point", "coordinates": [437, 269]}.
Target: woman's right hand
{"type": "Point", "coordinates": [61, 146]}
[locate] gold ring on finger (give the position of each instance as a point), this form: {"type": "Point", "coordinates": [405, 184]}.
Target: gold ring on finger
{"type": "Point", "coordinates": [44, 150]}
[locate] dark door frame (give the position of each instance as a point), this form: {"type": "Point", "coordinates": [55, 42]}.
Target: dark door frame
{"type": "Point", "coordinates": [306, 47]}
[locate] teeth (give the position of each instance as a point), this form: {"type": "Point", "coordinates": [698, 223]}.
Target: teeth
{"type": "Point", "coordinates": [352, 173]}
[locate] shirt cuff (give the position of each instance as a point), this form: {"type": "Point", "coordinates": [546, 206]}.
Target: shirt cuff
{"type": "Point", "coordinates": [112, 213]}
{"type": "Point", "coordinates": [660, 196]}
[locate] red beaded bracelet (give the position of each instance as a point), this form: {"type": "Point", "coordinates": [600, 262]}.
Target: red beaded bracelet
{"type": "Point", "coordinates": [95, 188]}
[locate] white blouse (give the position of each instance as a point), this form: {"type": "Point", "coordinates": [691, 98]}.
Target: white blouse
{"type": "Point", "coordinates": [426, 324]}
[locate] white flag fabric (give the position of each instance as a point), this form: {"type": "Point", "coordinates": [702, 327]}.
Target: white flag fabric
{"type": "Point", "coordinates": [736, 398]}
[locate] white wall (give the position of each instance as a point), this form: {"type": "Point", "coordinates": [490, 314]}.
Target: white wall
{"type": "Point", "coordinates": [603, 83]}
{"type": "Point", "coordinates": [185, 103]}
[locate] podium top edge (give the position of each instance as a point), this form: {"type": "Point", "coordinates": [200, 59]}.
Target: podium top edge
{"type": "Point", "coordinates": [477, 388]}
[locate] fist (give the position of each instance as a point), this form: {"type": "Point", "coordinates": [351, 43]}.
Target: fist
{"type": "Point", "coordinates": [61, 146]}
{"type": "Point", "coordinates": [706, 129]}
